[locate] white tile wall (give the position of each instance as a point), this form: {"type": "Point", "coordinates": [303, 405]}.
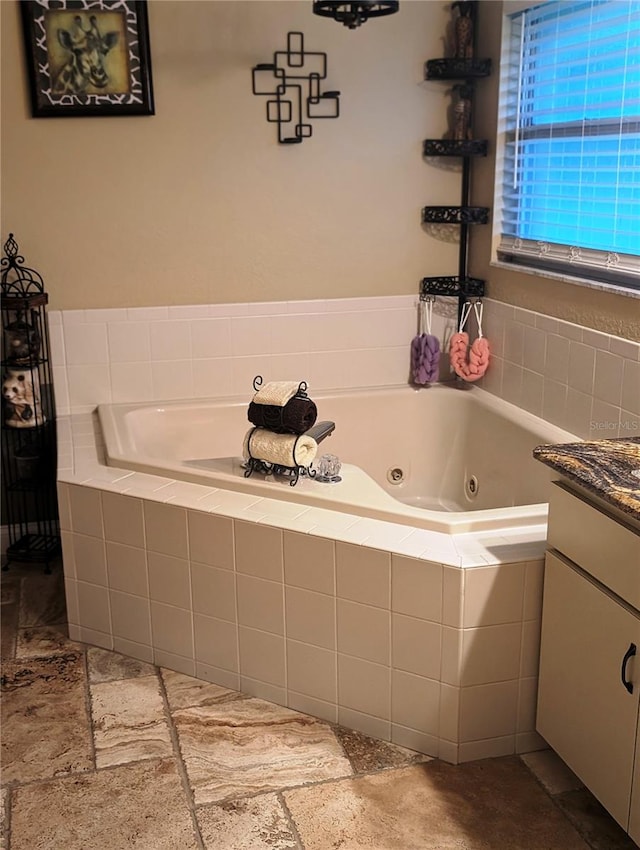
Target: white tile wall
{"type": "Point", "coordinates": [364, 632]}
{"type": "Point", "coordinates": [311, 670]}
{"type": "Point", "coordinates": [325, 625]}
{"type": "Point", "coordinates": [580, 379]}
{"type": "Point", "coordinates": [200, 351]}
{"type": "Point", "coordinates": [216, 643]}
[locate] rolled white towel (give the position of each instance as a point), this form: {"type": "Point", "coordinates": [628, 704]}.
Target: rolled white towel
{"type": "Point", "coordinates": [277, 393]}
{"type": "Point", "coordinates": [281, 449]}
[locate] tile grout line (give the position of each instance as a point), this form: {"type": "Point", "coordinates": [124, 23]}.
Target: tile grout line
{"type": "Point", "coordinates": [312, 783]}
{"type": "Point", "coordinates": [89, 708]}
{"type": "Point", "coordinates": [290, 820]}
{"type": "Point", "coordinates": [182, 770]}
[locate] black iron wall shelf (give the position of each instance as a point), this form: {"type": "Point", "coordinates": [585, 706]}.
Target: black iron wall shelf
{"type": "Point", "coordinates": [455, 215]}
{"type": "Point", "coordinates": [464, 69]}
{"type": "Point", "coordinates": [452, 286]}
{"type": "Point", "coordinates": [292, 84]}
{"type": "Point", "coordinates": [455, 147]}
{"type": "Point", "coordinates": [353, 14]}
{"type": "Point", "coordinates": [456, 69]}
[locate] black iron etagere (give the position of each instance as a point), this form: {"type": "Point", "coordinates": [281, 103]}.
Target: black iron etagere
{"type": "Point", "coordinates": [28, 415]}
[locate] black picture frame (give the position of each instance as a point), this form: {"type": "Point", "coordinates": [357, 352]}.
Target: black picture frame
{"type": "Point", "coordinates": [87, 57]}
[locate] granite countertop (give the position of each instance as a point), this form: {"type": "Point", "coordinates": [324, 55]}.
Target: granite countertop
{"type": "Point", "coordinates": [608, 468]}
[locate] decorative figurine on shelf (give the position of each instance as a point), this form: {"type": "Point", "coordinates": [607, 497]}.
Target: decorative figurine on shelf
{"type": "Point", "coordinates": [28, 461]}
{"type": "Point", "coordinates": [21, 394]}
{"type": "Point", "coordinates": [22, 342]}
{"type": "Point", "coordinates": [463, 29]}
{"type": "Point", "coordinates": [462, 114]}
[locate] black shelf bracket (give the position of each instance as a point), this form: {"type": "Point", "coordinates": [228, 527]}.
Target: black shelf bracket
{"type": "Point", "coordinates": [455, 215]}
{"type": "Point", "coordinates": [454, 147]}
{"type": "Point", "coordinates": [456, 69]}
{"type": "Point", "coordinates": [451, 286]}
{"type": "Point", "coordinates": [291, 81]}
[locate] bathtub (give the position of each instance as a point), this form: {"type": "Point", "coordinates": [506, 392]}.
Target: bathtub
{"type": "Point", "coordinates": [443, 458]}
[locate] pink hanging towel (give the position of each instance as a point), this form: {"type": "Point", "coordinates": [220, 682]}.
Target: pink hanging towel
{"type": "Point", "coordinates": [469, 364]}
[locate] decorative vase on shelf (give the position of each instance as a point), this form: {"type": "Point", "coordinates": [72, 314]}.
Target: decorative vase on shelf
{"type": "Point", "coordinates": [463, 29]}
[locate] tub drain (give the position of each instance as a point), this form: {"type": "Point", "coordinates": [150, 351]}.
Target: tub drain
{"type": "Point", "coordinates": [395, 475]}
{"type": "Point", "coordinates": [471, 487]}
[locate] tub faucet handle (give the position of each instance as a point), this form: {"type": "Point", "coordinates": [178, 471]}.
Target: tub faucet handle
{"type": "Point", "coordinates": [328, 469]}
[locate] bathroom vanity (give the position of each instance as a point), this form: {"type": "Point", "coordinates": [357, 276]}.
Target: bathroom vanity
{"type": "Point", "coordinates": [589, 685]}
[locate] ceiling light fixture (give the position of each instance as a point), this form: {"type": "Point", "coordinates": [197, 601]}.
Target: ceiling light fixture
{"type": "Point", "coordinates": [354, 14]}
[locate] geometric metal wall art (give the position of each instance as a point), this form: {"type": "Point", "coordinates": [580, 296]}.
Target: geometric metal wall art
{"type": "Point", "coordinates": [292, 84]}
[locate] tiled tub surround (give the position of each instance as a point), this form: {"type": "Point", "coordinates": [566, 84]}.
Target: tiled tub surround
{"type": "Point", "coordinates": [211, 351]}
{"type": "Point", "coordinates": [581, 380]}
{"type": "Point", "coordinates": [422, 638]}
{"type": "Point", "coordinates": [426, 639]}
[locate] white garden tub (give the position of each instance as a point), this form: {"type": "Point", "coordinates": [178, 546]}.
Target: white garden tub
{"type": "Point", "coordinates": [442, 458]}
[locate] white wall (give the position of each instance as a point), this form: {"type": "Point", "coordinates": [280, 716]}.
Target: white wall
{"type": "Point", "coordinates": [199, 203]}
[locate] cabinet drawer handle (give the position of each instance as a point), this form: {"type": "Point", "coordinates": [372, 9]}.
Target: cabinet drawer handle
{"type": "Point", "coordinates": [623, 672]}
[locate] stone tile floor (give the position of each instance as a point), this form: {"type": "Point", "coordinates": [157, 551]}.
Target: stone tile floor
{"type": "Point", "coordinates": [101, 752]}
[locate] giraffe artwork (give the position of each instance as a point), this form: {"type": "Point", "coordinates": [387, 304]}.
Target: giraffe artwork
{"type": "Point", "coordinates": [88, 57]}
{"type": "Point", "coordinates": [85, 49]}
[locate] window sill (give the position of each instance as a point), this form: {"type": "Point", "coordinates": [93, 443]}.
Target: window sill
{"type": "Point", "coordinates": [576, 281]}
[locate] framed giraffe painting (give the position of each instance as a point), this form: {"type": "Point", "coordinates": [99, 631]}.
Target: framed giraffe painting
{"type": "Point", "coordinates": [88, 57]}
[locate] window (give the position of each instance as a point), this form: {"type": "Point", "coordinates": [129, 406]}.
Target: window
{"type": "Point", "coordinates": [571, 128]}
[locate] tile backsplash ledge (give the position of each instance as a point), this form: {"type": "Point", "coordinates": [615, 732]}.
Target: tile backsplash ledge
{"type": "Point", "coordinates": [582, 380]}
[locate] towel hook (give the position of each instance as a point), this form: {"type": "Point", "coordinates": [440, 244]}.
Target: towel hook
{"type": "Point", "coordinates": [429, 312]}
{"type": "Point", "coordinates": [464, 315]}
{"type": "Point", "coordinates": [478, 308]}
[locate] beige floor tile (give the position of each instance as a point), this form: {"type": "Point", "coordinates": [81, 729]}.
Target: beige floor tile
{"type": "Point", "coordinates": [9, 589]}
{"type": "Point", "coordinates": [236, 745]}
{"type": "Point", "coordinates": [141, 806]}
{"type": "Point", "coordinates": [551, 771]}
{"type": "Point", "coordinates": [488, 805]}
{"type": "Point", "coordinates": [42, 600]}
{"type": "Point", "coordinates": [45, 729]}
{"type": "Point", "coordinates": [3, 818]}
{"type": "Point", "coordinates": [107, 666]}
{"type": "Point", "coordinates": [595, 825]}
{"type": "Point", "coordinates": [257, 823]}
{"type": "Point", "coordinates": [128, 721]}
{"type": "Point", "coordinates": [368, 754]}
{"type": "Point", "coordinates": [37, 641]}
{"type": "Point", "coordinates": [185, 691]}
{"type": "Point", "coordinates": [243, 747]}
{"type": "Point", "coordinates": [8, 628]}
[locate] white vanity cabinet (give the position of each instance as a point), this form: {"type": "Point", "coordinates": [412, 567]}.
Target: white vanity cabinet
{"type": "Point", "coordinates": [634, 818]}
{"type": "Point", "coordinates": [589, 685]}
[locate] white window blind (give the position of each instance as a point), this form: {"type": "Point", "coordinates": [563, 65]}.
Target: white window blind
{"type": "Point", "coordinates": [571, 190]}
